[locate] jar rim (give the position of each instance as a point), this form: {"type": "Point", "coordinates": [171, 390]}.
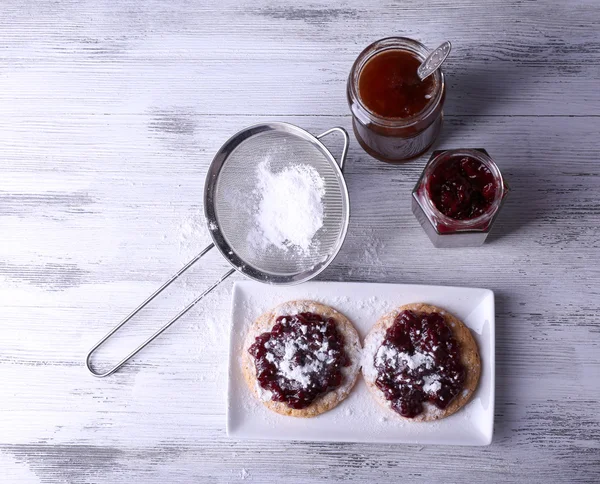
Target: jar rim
{"type": "Point", "coordinates": [394, 43]}
{"type": "Point", "coordinates": [484, 158]}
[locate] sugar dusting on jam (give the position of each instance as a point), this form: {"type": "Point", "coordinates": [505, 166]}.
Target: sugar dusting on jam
{"type": "Point", "coordinates": [462, 188]}
{"type": "Point", "coordinates": [300, 359]}
{"type": "Point", "coordinates": [417, 362]}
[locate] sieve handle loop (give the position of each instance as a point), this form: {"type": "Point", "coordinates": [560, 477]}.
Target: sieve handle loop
{"type": "Point", "coordinates": [346, 142]}
{"type": "Point", "coordinates": [143, 305]}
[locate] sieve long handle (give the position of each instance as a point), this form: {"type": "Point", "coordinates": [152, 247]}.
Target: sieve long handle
{"type": "Point", "coordinates": [143, 305]}
{"type": "Point", "coordinates": [346, 142]}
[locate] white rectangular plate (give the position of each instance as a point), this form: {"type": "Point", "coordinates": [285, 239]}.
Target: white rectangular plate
{"type": "Point", "coordinates": [360, 418]}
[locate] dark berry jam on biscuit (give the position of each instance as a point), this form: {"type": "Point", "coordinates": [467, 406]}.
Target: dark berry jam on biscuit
{"type": "Point", "coordinates": [418, 362]}
{"type": "Point", "coordinates": [300, 359]}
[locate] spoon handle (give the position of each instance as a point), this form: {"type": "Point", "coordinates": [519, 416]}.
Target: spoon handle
{"type": "Point", "coordinates": [434, 60]}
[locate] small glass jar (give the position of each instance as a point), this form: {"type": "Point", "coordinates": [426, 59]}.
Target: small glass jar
{"type": "Point", "coordinates": [395, 139]}
{"type": "Point", "coordinates": [445, 231]}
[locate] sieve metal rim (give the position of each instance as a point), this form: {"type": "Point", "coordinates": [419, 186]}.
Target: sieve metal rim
{"type": "Point", "coordinates": [214, 229]}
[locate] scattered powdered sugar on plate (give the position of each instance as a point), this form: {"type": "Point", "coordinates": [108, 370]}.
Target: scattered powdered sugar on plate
{"type": "Point", "coordinates": [371, 346]}
{"type": "Point", "coordinates": [289, 209]}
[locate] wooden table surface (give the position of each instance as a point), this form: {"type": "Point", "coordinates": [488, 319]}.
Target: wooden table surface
{"type": "Point", "coordinates": [110, 113]}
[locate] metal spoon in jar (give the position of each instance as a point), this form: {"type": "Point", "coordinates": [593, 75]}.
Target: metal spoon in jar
{"type": "Point", "coordinates": [434, 60]}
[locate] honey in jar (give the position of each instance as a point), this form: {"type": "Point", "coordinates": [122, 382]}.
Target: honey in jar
{"type": "Point", "coordinates": [389, 86]}
{"type": "Point", "coordinates": [395, 115]}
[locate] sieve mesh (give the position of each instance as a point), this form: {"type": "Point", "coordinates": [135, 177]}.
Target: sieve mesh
{"type": "Point", "coordinates": [236, 199]}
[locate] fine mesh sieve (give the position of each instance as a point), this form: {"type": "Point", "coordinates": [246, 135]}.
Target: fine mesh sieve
{"type": "Point", "coordinates": [230, 203]}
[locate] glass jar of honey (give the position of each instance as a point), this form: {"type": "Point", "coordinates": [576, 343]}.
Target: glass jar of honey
{"type": "Point", "coordinates": [458, 197]}
{"type": "Point", "coordinates": [395, 115]}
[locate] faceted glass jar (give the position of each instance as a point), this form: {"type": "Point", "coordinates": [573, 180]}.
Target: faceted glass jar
{"type": "Point", "coordinates": [395, 139]}
{"type": "Point", "coordinates": [442, 230]}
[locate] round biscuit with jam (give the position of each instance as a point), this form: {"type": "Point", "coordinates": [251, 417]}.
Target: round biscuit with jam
{"type": "Point", "coordinates": [301, 358]}
{"type": "Point", "coordinates": [421, 362]}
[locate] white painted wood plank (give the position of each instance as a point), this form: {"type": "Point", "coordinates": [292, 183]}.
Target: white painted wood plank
{"type": "Point", "coordinates": [270, 58]}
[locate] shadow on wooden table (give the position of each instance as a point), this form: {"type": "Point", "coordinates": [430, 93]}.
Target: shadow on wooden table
{"type": "Point", "coordinates": [489, 87]}
{"type": "Point", "coordinates": [527, 200]}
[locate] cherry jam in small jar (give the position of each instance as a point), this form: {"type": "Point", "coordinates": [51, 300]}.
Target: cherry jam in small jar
{"type": "Point", "coordinates": [458, 197]}
{"type": "Point", "coordinates": [395, 115]}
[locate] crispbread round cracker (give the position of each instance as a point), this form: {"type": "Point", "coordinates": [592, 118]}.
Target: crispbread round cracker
{"type": "Point", "coordinates": [469, 358]}
{"type": "Point", "coordinates": [351, 346]}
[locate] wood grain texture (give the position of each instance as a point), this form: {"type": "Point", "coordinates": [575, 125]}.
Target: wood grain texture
{"type": "Point", "coordinates": [110, 113]}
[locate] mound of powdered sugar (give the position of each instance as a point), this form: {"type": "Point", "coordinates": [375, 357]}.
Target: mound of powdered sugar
{"type": "Point", "coordinates": [289, 211]}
